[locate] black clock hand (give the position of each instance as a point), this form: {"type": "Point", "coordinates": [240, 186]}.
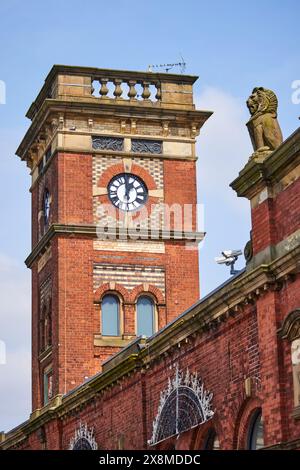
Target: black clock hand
{"type": "Point", "coordinates": [126, 187]}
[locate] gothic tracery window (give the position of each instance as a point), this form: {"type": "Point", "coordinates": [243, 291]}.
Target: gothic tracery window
{"type": "Point", "coordinates": [183, 404]}
{"type": "Point", "coordinates": [83, 439]}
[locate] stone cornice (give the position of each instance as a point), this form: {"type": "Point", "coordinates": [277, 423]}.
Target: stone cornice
{"type": "Point", "coordinates": [259, 173]}
{"type": "Point", "coordinates": [121, 110]}
{"type": "Point", "coordinates": [110, 234]}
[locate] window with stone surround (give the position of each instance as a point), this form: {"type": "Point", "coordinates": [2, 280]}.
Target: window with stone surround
{"type": "Point", "coordinates": [45, 326]}
{"type": "Point", "coordinates": [47, 385]}
{"type": "Point", "coordinates": [110, 316]}
{"type": "Point", "coordinates": [145, 316]}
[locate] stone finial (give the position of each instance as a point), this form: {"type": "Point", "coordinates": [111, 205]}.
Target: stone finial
{"type": "Point", "coordinates": [263, 126]}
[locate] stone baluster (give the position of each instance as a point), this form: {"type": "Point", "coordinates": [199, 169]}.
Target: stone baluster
{"type": "Point", "coordinates": [132, 91]}
{"type": "Point", "coordinates": [146, 92]}
{"type": "Point", "coordinates": [118, 90]}
{"type": "Point", "coordinates": [103, 90]}
{"type": "Point", "coordinates": [158, 91]}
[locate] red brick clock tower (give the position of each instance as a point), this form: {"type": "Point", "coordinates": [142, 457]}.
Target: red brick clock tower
{"type": "Point", "coordinates": [112, 159]}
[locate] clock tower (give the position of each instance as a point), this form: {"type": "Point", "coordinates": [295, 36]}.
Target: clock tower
{"type": "Point", "coordinates": [114, 236]}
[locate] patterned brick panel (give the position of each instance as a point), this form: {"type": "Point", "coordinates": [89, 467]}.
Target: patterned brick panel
{"type": "Point", "coordinates": [129, 276]}
{"type": "Point", "coordinates": [102, 163]}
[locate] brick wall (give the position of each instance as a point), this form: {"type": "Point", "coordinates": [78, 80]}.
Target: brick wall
{"type": "Point", "coordinates": [276, 218]}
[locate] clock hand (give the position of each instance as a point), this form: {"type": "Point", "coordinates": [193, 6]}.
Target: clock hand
{"type": "Point", "coordinates": [126, 187]}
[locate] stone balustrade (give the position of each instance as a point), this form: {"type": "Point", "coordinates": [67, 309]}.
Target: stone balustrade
{"type": "Point", "coordinates": [150, 90]}
{"type": "Point", "coordinates": [135, 88]}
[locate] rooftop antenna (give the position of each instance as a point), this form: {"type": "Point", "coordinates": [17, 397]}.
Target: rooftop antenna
{"type": "Point", "coordinates": [167, 67]}
{"type": "Point", "coordinates": [229, 258]}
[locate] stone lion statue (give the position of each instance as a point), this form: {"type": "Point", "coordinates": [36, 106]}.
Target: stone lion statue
{"type": "Point", "coordinates": [263, 126]}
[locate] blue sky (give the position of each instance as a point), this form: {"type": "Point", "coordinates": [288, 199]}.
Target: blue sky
{"type": "Point", "coordinates": [232, 46]}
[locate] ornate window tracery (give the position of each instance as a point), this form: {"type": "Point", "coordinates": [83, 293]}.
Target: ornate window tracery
{"type": "Point", "coordinates": [83, 439]}
{"type": "Point", "coordinates": [184, 404]}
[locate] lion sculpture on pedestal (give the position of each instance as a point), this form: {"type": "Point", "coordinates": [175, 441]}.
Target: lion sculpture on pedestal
{"type": "Point", "coordinates": [263, 126]}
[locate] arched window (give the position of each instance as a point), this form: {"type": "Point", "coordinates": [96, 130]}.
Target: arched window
{"type": "Point", "coordinates": [48, 327]}
{"type": "Point", "coordinates": [145, 316]}
{"type": "Point", "coordinates": [256, 432]}
{"type": "Point", "coordinates": [110, 315]}
{"type": "Point", "coordinates": [82, 444]}
{"type": "Point", "coordinates": [43, 328]}
{"type": "Point", "coordinates": [46, 207]}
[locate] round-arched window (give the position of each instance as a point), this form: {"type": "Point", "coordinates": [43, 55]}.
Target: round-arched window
{"type": "Point", "coordinates": [256, 432]}
{"type": "Point", "coordinates": [145, 316]}
{"type": "Point", "coordinates": [110, 315]}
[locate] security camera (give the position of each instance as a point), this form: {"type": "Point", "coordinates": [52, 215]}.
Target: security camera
{"type": "Point", "coordinates": [229, 257]}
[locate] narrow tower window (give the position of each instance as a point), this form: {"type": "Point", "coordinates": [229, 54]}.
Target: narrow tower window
{"type": "Point", "coordinates": [145, 316]}
{"type": "Point", "coordinates": [110, 316]}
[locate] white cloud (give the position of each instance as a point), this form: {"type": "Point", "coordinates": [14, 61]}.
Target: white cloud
{"type": "Point", "coordinates": [15, 327]}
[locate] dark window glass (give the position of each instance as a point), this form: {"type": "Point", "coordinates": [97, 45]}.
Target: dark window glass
{"type": "Point", "coordinates": [82, 444]}
{"type": "Point", "coordinates": [48, 154]}
{"type": "Point", "coordinates": [145, 316]}
{"type": "Point", "coordinates": [110, 316]}
{"type": "Point", "coordinates": [41, 166]}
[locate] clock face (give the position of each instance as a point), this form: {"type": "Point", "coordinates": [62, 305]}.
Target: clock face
{"type": "Point", "coordinates": [46, 206]}
{"type": "Point", "coordinates": [127, 192]}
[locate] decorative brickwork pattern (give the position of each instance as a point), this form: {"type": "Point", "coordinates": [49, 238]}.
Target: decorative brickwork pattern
{"type": "Point", "coordinates": [129, 276]}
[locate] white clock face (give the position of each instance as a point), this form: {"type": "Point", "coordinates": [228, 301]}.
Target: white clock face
{"type": "Point", "coordinates": [127, 192]}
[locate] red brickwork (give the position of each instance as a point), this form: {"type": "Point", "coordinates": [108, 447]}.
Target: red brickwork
{"type": "Point", "coordinates": [76, 309]}
{"type": "Point", "coordinates": [276, 218]}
